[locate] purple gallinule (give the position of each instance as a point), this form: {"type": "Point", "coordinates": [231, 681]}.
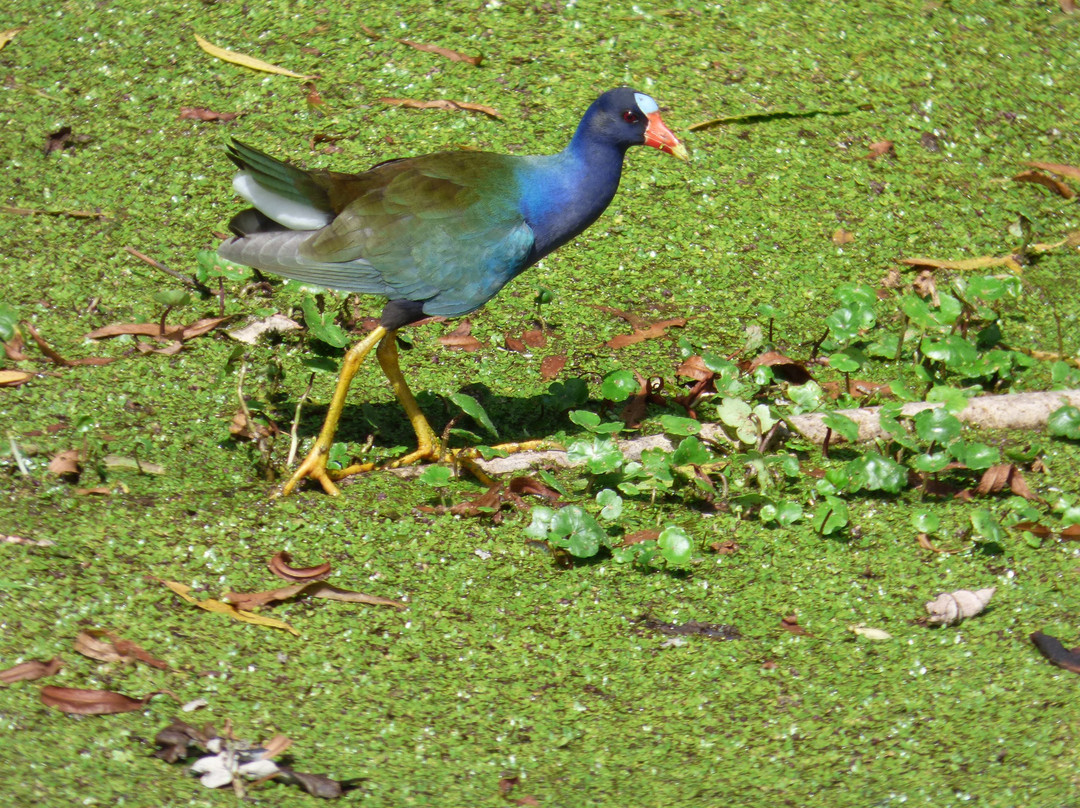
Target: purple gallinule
{"type": "Point", "coordinates": [435, 235]}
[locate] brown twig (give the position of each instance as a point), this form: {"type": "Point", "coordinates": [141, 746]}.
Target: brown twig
{"type": "Point", "coordinates": [202, 288]}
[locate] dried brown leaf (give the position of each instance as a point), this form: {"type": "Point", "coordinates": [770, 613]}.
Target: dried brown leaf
{"type": "Point", "coordinates": [1067, 6]}
{"type": "Point", "coordinates": [654, 331]}
{"type": "Point", "coordinates": [1072, 533]}
{"type": "Point", "coordinates": [1073, 172]}
{"type": "Point", "coordinates": [441, 103]}
{"type": "Point", "coordinates": [516, 345]}
{"type": "Point", "coordinates": [639, 536]}
{"type": "Point", "coordinates": [1034, 528]}
{"type": "Point", "coordinates": [534, 338]}
{"type": "Point", "coordinates": [203, 114]}
{"type": "Point", "coordinates": [783, 367]}
{"type": "Point", "coordinates": [1045, 180]}
{"type": "Point", "coordinates": [926, 544]}
{"type": "Point", "coordinates": [30, 670]}
{"type": "Point", "coordinates": [725, 547]}
{"type": "Point", "coordinates": [841, 237]}
{"type": "Point", "coordinates": [452, 55]}
{"type": "Point", "coordinates": [925, 285]}
{"type": "Point", "coordinates": [633, 412]}
{"type": "Point", "coordinates": [994, 479]}
{"type": "Point", "coordinates": [281, 565]}
{"type": "Point", "coordinates": [13, 348]}
{"type": "Point", "coordinates": [97, 491]}
{"type": "Point", "coordinates": [461, 339]}
{"type": "Point", "coordinates": [57, 359]}
{"type": "Point", "coordinates": [105, 646]}
{"type": "Point", "coordinates": [316, 589]}
{"type": "Point", "coordinates": [880, 149]}
{"type": "Point", "coordinates": [530, 486]}
{"type": "Point", "coordinates": [76, 701]}
{"type": "Point", "coordinates": [551, 366]}
{"type": "Point", "coordinates": [694, 368]}
{"type": "Point", "coordinates": [58, 140]}
{"type": "Point", "coordinates": [65, 463]}
{"type": "Point", "coordinates": [1056, 652]}
{"type": "Point", "coordinates": [791, 625]}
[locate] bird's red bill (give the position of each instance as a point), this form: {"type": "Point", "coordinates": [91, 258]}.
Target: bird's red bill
{"type": "Point", "coordinates": [660, 137]}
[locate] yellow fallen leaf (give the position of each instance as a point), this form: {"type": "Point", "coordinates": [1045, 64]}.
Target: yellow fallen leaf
{"type": "Point", "coordinates": [968, 264]}
{"type": "Point", "coordinates": [220, 607]}
{"type": "Point", "coordinates": [7, 36]}
{"type": "Point", "coordinates": [11, 378]}
{"type": "Point", "coordinates": [244, 60]}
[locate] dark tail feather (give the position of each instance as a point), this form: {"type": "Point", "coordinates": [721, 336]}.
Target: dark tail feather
{"type": "Point", "coordinates": [250, 221]}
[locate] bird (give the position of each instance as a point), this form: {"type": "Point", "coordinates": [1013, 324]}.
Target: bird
{"type": "Point", "coordinates": [436, 235]}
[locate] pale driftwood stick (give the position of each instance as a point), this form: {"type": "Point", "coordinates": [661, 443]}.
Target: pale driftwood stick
{"type": "Point", "coordinates": [1014, 411]}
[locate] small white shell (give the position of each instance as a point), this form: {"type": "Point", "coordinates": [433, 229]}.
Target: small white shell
{"type": "Point", "coordinates": [950, 608]}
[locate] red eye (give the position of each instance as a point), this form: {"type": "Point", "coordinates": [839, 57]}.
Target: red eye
{"type": "Point", "coordinates": [630, 116]}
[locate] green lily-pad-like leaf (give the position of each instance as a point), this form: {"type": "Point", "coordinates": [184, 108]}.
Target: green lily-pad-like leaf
{"type": "Point", "coordinates": [874, 472]}
{"type": "Point", "coordinates": [830, 516]}
{"type": "Point", "coordinates": [842, 426]}
{"type": "Point", "coordinates": [540, 527]}
{"type": "Point", "coordinates": [9, 318]}
{"type": "Point", "coordinates": [925, 522]}
{"type": "Point", "coordinates": [1064, 422]}
{"type": "Point", "coordinates": [690, 451]}
{"type": "Point", "coordinates": [937, 425]}
{"type": "Point", "coordinates": [619, 385]}
{"type": "Point", "coordinates": [986, 526]}
{"type": "Point", "coordinates": [677, 425]}
{"type": "Point", "coordinates": [600, 455]}
{"type": "Point", "coordinates": [676, 546]}
{"type": "Point", "coordinates": [976, 456]}
{"type": "Point", "coordinates": [576, 531]}
{"type": "Point", "coordinates": [474, 410]}
{"type": "Point", "coordinates": [611, 504]}
{"type": "Point", "coordinates": [322, 326]}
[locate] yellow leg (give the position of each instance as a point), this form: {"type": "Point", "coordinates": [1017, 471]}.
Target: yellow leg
{"type": "Point", "coordinates": [314, 465]}
{"type": "Point", "coordinates": [427, 444]}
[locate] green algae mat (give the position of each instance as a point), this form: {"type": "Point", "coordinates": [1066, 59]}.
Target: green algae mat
{"type": "Point", "coordinates": [880, 209]}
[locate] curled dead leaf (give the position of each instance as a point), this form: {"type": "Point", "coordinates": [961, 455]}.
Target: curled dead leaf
{"type": "Point", "coordinates": [441, 103]}
{"type": "Point", "coordinates": [245, 601]}
{"type": "Point", "coordinates": [281, 565]}
{"type": "Point", "coordinates": [461, 339]}
{"type": "Point", "coordinates": [791, 625]}
{"type": "Point", "coordinates": [1073, 172]}
{"type": "Point", "coordinates": [105, 646]}
{"type": "Point", "coordinates": [880, 149]}
{"type": "Point", "coordinates": [220, 607]}
{"type": "Point", "coordinates": [76, 701]}
{"type": "Point", "coordinates": [452, 55]}
{"type": "Point", "coordinates": [203, 114]}
{"type": "Point", "coordinates": [30, 670]}
{"type": "Point", "coordinates": [652, 331]}
{"type": "Point", "coordinates": [985, 262]}
{"type": "Point", "coordinates": [1046, 181]}
{"type": "Point", "coordinates": [950, 608]}
{"type": "Point", "coordinates": [66, 463]}
{"type": "Point", "coordinates": [1053, 649]}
